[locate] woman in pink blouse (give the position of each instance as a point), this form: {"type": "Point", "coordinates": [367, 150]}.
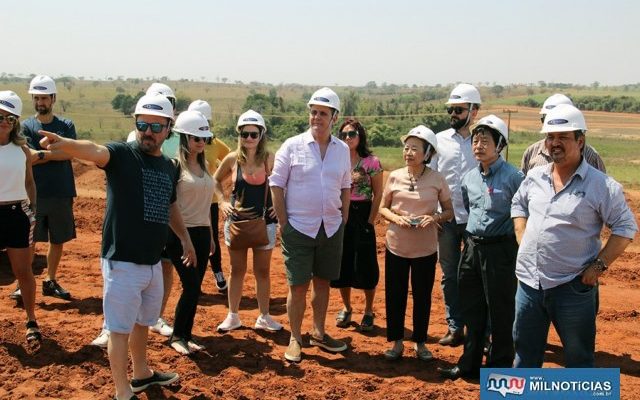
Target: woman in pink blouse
{"type": "Point", "coordinates": [359, 267]}
{"type": "Point", "coordinates": [410, 203]}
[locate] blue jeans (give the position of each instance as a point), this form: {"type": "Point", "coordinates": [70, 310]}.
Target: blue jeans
{"type": "Point", "coordinates": [571, 307]}
{"type": "Point", "coordinates": [449, 242]}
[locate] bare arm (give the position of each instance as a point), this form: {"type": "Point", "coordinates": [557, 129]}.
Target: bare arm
{"type": "Point", "coordinates": [389, 215]}
{"type": "Point", "coordinates": [609, 253]}
{"type": "Point", "coordinates": [222, 173]}
{"type": "Point", "coordinates": [376, 186]}
{"type": "Point", "coordinates": [177, 226]}
{"type": "Point", "coordinates": [29, 183]}
{"type": "Point", "coordinates": [48, 156]}
{"type": "Point", "coordinates": [345, 199]}
{"type": "Point", "coordinates": [519, 224]}
{"type": "Point", "coordinates": [277, 196]}
{"type": "Point", "coordinates": [82, 149]}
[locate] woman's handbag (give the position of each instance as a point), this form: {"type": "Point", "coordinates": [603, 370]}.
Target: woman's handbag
{"type": "Point", "coordinates": [251, 233]}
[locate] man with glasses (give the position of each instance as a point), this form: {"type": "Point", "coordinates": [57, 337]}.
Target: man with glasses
{"type": "Point", "coordinates": [454, 159]}
{"type": "Point", "coordinates": [311, 189]}
{"type": "Point", "coordinates": [55, 183]}
{"type": "Point", "coordinates": [141, 194]}
{"type": "Point", "coordinates": [537, 154]}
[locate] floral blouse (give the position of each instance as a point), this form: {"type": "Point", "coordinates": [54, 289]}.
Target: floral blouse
{"type": "Point", "coordinates": [361, 174]}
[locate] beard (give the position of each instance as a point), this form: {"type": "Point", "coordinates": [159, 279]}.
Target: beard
{"type": "Point", "coordinates": [456, 123]}
{"type": "Point", "coordinates": [42, 110]}
{"type": "Point", "coordinates": [148, 145]}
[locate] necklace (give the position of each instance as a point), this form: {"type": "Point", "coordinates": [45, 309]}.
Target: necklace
{"type": "Point", "coordinates": [413, 180]}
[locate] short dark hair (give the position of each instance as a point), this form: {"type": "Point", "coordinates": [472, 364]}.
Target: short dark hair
{"type": "Point", "coordinates": [495, 135]}
{"type": "Point", "coordinates": [363, 148]}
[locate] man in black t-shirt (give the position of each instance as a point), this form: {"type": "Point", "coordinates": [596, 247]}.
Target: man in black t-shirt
{"type": "Point", "coordinates": [141, 194]}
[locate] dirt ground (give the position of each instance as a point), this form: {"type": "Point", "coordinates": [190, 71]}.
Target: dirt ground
{"type": "Point", "coordinates": [249, 364]}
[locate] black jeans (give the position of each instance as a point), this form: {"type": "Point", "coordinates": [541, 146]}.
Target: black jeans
{"type": "Point", "coordinates": [191, 278]}
{"type": "Point", "coordinates": [423, 272]}
{"type": "Point", "coordinates": [216, 258]}
{"type": "Point", "coordinates": [487, 288]}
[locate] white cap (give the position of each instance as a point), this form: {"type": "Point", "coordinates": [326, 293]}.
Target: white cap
{"type": "Point", "coordinates": [10, 102]}
{"type": "Point", "coordinates": [202, 106]}
{"type": "Point", "coordinates": [464, 93]}
{"type": "Point", "coordinates": [251, 117]}
{"type": "Point", "coordinates": [192, 123]}
{"type": "Point", "coordinates": [162, 89]}
{"type": "Point", "coordinates": [42, 84]}
{"type": "Point", "coordinates": [154, 104]}
{"type": "Point", "coordinates": [564, 118]}
{"type": "Point", "coordinates": [424, 133]}
{"type": "Point", "coordinates": [495, 123]}
{"type": "Point", "coordinates": [554, 100]}
{"type": "Point", "coordinates": [325, 97]}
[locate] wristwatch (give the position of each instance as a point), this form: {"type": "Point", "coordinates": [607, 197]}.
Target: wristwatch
{"type": "Point", "coordinates": [41, 155]}
{"type": "Point", "coordinates": [599, 265]}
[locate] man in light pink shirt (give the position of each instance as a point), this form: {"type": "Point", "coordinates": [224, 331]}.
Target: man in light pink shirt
{"type": "Point", "coordinates": [310, 186]}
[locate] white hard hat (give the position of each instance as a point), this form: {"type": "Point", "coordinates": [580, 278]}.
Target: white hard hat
{"type": "Point", "coordinates": [424, 133]}
{"type": "Point", "coordinates": [554, 100]}
{"type": "Point", "coordinates": [495, 123]}
{"type": "Point", "coordinates": [10, 102]}
{"type": "Point", "coordinates": [157, 87]}
{"type": "Point", "coordinates": [192, 123]}
{"type": "Point", "coordinates": [202, 106]}
{"type": "Point", "coordinates": [251, 117]}
{"type": "Point", "coordinates": [564, 118]}
{"type": "Point", "coordinates": [325, 97]}
{"type": "Point", "coordinates": [464, 93]}
{"type": "Point", "coordinates": [42, 84]}
{"type": "Point", "coordinates": [154, 104]}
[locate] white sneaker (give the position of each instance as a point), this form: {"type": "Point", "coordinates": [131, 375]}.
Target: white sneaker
{"type": "Point", "coordinates": [267, 323]}
{"type": "Point", "coordinates": [102, 340]}
{"type": "Point", "coordinates": [162, 328]}
{"type": "Point", "coordinates": [230, 323]}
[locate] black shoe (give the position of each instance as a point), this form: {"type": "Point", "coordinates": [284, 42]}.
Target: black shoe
{"type": "Point", "coordinates": [221, 283]}
{"type": "Point", "coordinates": [16, 294]}
{"type": "Point", "coordinates": [158, 378]}
{"type": "Point", "coordinates": [52, 288]}
{"type": "Point", "coordinates": [452, 339]}
{"type": "Point", "coordinates": [450, 373]}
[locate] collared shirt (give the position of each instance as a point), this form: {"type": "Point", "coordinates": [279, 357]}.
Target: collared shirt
{"type": "Point", "coordinates": [453, 160]}
{"type": "Point", "coordinates": [312, 185]}
{"type": "Point", "coordinates": [487, 198]}
{"type": "Point", "coordinates": [537, 155]}
{"type": "Point", "coordinates": [563, 229]}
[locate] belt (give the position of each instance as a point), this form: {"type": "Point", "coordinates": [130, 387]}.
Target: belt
{"type": "Point", "coordinates": [491, 239]}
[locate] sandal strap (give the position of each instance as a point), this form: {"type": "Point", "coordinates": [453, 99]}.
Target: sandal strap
{"type": "Point", "coordinates": [32, 325]}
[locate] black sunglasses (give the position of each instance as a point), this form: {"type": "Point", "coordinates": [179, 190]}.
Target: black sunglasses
{"type": "Point", "coordinates": [458, 110]}
{"type": "Point", "coordinates": [198, 139]}
{"type": "Point", "coordinates": [542, 118]}
{"type": "Point", "coordinates": [254, 135]}
{"type": "Point", "coordinates": [351, 134]}
{"type": "Point", "coordinates": [10, 119]}
{"type": "Point", "coordinates": [156, 127]}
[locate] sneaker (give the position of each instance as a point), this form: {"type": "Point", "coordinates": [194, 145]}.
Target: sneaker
{"type": "Point", "coordinates": [102, 340]}
{"type": "Point", "coordinates": [267, 323]}
{"type": "Point", "coordinates": [16, 294]}
{"type": "Point", "coordinates": [230, 323]}
{"type": "Point", "coordinates": [158, 378]}
{"type": "Point", "coordinates": [328, 343]}
{"type": "Point", "coordinates": [162, 328]}
{"type": "Point", "coordinates": [294, 351]}
{"type": "Point", "coordinates": [52, 288]}
{"type": "Point", "coordinates": [221, 283]}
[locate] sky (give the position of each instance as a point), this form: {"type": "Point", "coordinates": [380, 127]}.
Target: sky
{"type": "Point", "coordinates": [327, 42]}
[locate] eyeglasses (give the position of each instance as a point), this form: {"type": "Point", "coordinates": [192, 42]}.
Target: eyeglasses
{"type": "Point", "coordinates": [198, 139]}
{"type": "Point", "coordinates": [10, 119]}
{"type": "Point", "coordinates": [245, 135]}
{"type": "Point", "coordinates": [350, 134]}
{"type": "Point", "coordinates": [156, 127]}
{"type": "Point", "coordinates": [458, 110]}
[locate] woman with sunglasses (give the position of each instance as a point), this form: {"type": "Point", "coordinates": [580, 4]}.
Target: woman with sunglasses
{"type": "Point", "coordinates": [193, 192]}
{"type": "Point", "coordinates": [249, 167]}
{"type": "Point", "coordinates": [17, 206]}
{"type": "Point", "coordinates": [410, 203]}
{"type": "Point", "coordinates": [359, 267]}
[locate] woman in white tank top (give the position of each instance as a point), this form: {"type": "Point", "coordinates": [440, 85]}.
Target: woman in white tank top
{"type": "Point", "coordinates": [17, 206]}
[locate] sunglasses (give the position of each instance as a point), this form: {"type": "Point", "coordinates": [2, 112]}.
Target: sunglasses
{"type": "Point", "coordinates": [350, 134]}
{"type": "Point", "coordinates": [198, 139]}
{"type": "Point", "coordinates": [245, 135]}
{"type": "Point", "coordinates": [156, 127]}
{"type": "Point", "coordinates": [10, 119]}
{"type": "Point", "coordinates": [458, 110]}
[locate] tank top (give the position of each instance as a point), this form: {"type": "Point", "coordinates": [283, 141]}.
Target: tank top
{"type": "Point", "coordinates": [13, 166]}
{"type": "Point", "coordinates": [248, 198]}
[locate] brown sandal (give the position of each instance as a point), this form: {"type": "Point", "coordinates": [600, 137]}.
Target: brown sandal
{"type": "Point", "coordinates": [34, 337]}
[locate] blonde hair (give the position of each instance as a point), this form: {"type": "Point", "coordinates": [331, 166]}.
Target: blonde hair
{"type": "Point", "coordinates": [15, 136]}
{"type": "Point", "coordinates": [183, 152]}
{"type": "Point", "coordinates": [261, 150]}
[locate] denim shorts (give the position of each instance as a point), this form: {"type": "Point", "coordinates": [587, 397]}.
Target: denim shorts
{"type": "Point", "coordinates": [132, 294]}
{"type": "Point", "coordinates": [271, 233]}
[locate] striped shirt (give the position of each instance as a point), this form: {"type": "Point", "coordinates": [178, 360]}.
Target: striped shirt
{"type": "Point", "coordinates": [537, 155]}
{"type": "Point", "coordinates": [562, 234]}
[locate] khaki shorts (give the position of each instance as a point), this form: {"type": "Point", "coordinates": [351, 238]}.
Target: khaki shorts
{"type": "Point", "coordinates": [306, 258]}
